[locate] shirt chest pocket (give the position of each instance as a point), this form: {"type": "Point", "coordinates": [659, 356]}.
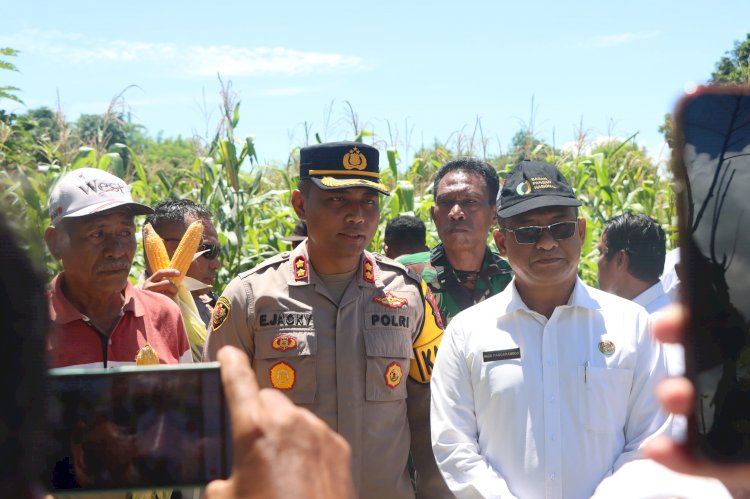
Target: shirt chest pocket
{"type": "Point", "coordinates": [603, 398]}
{"type": "Point", "coordinates": [388, 357]}
{"type": "Point", "coordinates": [286, 361]}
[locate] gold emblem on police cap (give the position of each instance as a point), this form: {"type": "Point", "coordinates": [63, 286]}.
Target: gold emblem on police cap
{"type": "Point", "coordinates": [355, 160]}
{"type": "Point", "coordinates": [607, 347]}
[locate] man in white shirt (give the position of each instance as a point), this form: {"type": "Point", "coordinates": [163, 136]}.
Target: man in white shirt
{"type": "Point", "coordinates": [631, 258]}
{"type": "Point", "coordinates": [548, 387]}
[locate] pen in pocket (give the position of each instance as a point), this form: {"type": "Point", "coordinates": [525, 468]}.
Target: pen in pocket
{"type": "Point", "coordinates": [586, 372]}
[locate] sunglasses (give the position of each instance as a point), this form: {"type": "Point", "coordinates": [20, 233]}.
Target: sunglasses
{"type": "Point", "coordinates": [532, 233]}
{"type": "Point", "coordinates": [212, 251]}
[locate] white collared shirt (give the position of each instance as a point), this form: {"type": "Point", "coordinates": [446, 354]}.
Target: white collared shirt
{"type": "Point", "coordinates": [654, 299]}
{"type": "Point", "coordinates": [559, 419]}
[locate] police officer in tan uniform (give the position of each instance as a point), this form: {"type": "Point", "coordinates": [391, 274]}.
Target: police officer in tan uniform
{"type": "Point", "coordinates": [346, 333]}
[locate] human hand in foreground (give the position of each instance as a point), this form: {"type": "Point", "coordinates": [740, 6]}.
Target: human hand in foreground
{"type": "Point", "coordinates": [677, 396]}
{"type": "Point", "coordinates": [159, 282]}
{"type": "Point", "coordinates": [280, 450]}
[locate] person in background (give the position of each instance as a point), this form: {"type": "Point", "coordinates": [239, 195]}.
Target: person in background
{"type": "Point", "coordinates": [462, 271]}
{"type": "Point", "coordinates": [349, 334]}
{"type": "Point", "coordinates": [170, 220]}
{"type": "Point", "coordinates": [299, 234]}
{"type": "Point", "coordinates": [547, 388]}
{"type": "Point", "coordinates": [632, 249]}
{"type": "Point", "coordinates": [404, 235]}
{"type": "Point", "coordinates": [98, 318]}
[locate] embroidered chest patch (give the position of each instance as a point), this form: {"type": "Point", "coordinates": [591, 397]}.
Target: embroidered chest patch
{"type": "Point", "coordinates": [282, 376]}
{"type": "Point", "coordinates": [284, 343]}
{"type": "Point", "coordinates": [393, 375]}
{"type": "Point", "coordinates": [391, 301]}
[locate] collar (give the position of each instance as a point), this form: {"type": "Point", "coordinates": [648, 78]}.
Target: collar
{"type": "Point", "coordinates": [580, 297]}
{"type": "Point", "coordinates": [650, 295]}
{"type": "Point", "coordinates": [61, 311]}
{"type": "Point", "coordinates": [300, 270]}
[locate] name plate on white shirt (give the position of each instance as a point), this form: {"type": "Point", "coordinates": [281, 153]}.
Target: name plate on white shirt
{"type": "Point", "coordinates": [513, 353]}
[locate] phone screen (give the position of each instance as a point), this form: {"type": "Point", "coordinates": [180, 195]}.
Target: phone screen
{"type": "Point", "coordinates": [137, 427]}
{"type": "Point", "coordinates": [712, 173]}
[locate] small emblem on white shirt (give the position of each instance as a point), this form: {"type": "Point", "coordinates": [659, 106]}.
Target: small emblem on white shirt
{"type": "Point", "coordinates": [606, 347]}
{"type": "Point", "coordinates": [513, 353]}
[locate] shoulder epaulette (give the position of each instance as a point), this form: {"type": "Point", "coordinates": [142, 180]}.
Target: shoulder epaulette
{"type": "Point", "coordinates": [385, 261]}
{"type": "Point", "coordinates": [274, 260]}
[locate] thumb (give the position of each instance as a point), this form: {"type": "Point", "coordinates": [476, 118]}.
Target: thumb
{"type": "Point", "coordinates": [218, 489]}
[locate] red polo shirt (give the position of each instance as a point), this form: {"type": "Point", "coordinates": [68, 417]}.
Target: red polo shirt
{"type": "Point", "coordinates": [147, 318]}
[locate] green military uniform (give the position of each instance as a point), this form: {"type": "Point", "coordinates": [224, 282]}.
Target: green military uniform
{"type": "Point", "coordinates": [360, 365]}
{"type": "Point", "coordinates": [451, 296]}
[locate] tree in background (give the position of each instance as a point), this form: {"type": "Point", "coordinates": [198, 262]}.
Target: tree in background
{"type": "Point", "coordinates": [734, 66]}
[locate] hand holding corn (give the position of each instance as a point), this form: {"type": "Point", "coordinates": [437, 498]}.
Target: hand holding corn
{"type": "Point", "coordinates": [183, 255]}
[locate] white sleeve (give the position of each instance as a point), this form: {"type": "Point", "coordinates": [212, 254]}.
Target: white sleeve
{"type": "Point", "coordinates": [646, 418]}
{"type": "Point", "coordinates": [454, 426]}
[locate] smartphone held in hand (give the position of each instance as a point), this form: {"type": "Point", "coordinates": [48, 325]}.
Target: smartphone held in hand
{"type": "Point", "coordinates": [139, 427]}
{"type": "Point", "coordinates": [711, 163]}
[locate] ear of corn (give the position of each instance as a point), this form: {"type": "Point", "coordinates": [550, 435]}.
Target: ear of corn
{"type": "Point", "coordinates": [147, 356]}
{"type": "Point", "coordinates": [183, 255]}
{"type": "Point", "coordinates": [155, 251]}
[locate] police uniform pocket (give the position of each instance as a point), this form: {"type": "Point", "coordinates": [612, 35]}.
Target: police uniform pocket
{"type": "Point", "coordinates": [286, 361]}
{"type": "Point", "coordinates": [603, 398]}
{"type": "Point", "coordinates": [388, 354]}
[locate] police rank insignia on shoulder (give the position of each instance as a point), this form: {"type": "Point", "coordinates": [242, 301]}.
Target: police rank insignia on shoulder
{"type": "Point", "coordinates": [284, 343]}
{"type": "Point", "coordinates": [393, 375]}
{"type": "Point", "coordinates": [368, 271]}
{"type": "Point", "coordinates": [220, 313]}
{"type": "Point", "coordinates": [282, 376]}
{"type": "Point", "coordinates": [390, 300]}
{"type": "Point", "coordinates": [300, 268]}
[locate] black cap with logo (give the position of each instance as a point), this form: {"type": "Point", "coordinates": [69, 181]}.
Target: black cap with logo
{"type": "Point", "coordinates": [339, 165]}
{"type": "Point", "coordinates": [532, 185]}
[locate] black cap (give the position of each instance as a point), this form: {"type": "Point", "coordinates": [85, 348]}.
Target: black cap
{"type": "Point", "coordinates": [532, 185]}
{"type": "Point", "coordinates": [338, 165]}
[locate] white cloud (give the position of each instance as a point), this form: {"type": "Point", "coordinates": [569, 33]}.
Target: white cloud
{"type": "Point", "coordinates": [196, 60]}
{"type": "Point", "coordinates": [606, 41]}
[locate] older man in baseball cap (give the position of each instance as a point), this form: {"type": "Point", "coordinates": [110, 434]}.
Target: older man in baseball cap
{"type": "Point", "coordinates": [548, 387]}
{"type": "Point", "coordinates": [99, 318]}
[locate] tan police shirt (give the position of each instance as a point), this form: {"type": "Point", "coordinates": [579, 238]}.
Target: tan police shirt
{"type": "Point", "coordinates": [362, 365]}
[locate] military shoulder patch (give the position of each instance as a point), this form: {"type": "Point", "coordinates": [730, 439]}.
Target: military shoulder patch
{"type": "Point", "coordinates": [391, 301]}
{"type": "Point", "coordinates": [220, 313]}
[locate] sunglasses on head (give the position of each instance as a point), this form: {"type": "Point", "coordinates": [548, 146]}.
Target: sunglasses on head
{"type": "Point", "coordinates": [532, 233]}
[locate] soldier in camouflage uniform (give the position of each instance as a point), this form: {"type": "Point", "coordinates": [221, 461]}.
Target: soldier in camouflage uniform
{"type": "Point", "coordinates": [346, 333]}
{"type": "Point", "coordinates": [462, 270]}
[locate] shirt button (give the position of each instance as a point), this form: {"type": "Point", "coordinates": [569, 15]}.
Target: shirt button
{"type": "Point", "coordinates": [552, 437]}
{"type": "Point", "coordinates": [552, 477]}
{"type": "Point", "coordinates": [549, 362]}
{"type": "Point", "coordinates": [552, 398]}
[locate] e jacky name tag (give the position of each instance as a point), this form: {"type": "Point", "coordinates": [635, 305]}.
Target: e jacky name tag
{"type": "Point", "coordinates": [513, 353]}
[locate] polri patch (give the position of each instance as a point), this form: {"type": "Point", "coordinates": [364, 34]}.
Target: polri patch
{"type": "Point", "coordinates": [220, 313]}
{"type": "Point", "coordinates": [282, 376]}
{"type": "Point", "coordinates": [368, 271]}
{"type": "Point", "coordinates": [393, 375]}
{"type": "Point", "coordinates": [391, 301]}
{"type": "Point", "coordinates": [510, 354]}
{"type": "Point", "coordinates": [284, 343]}
{"type": "Point", "coordinates": [300, 268]}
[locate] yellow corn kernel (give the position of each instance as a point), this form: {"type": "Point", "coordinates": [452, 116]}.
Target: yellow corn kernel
{"type": "Point", "coordinates": [183, 255]}
{"type": "Point", "coordinates": [147, 356]}
{"type": "Point", "coordinates": [156, 253]}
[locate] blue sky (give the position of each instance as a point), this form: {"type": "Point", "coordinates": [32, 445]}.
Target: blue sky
{"type": "Point", "coordinates": [413, 71]}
